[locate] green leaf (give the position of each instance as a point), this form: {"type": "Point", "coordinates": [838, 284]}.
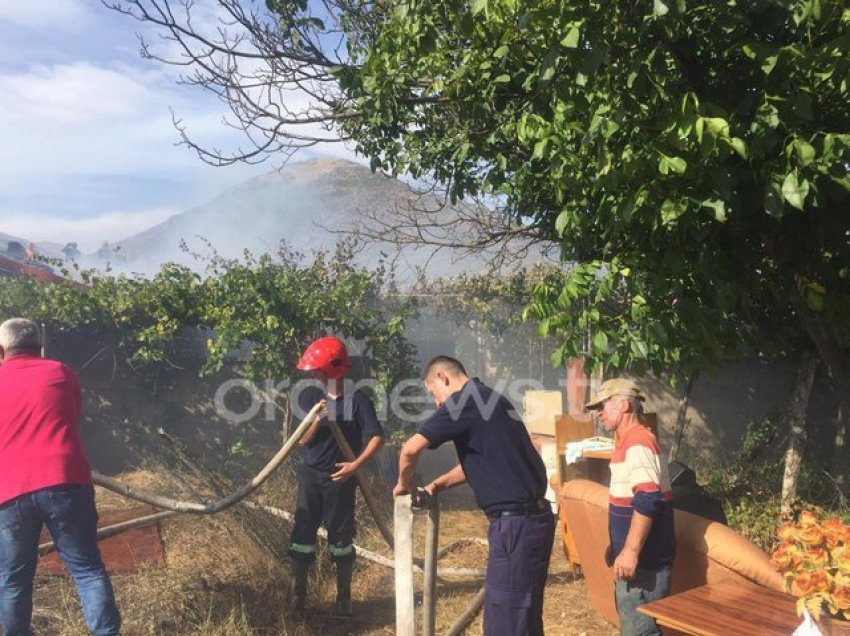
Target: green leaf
{"type": "Point", "coordinates": [600, 342]}
{"type": "Point", "coordinates": [768, 115]}
{"type": "Point", "coordinates": [814, 299]}
{"type": "Point", "coordinates": [639, 349]}
{"type": "Point", "coordinates": [805, 151]}
{"type": "Point", "coordinates": [562, 221]}
{"type": "Point", "coordinates": [739, 146]}
{"type": "Point", "coordinates": [502, 51]}
{"type": "Point", "coordinates": [671, 210]}
{"type": "Point", "coordinates": [717, 126]}
{"type": "Point", "coordinates": [672, 164]}
{"type": "Point", "coordinates": [502, 79]}
{"type": "Point", "coordinates": [659, 8]}
{"type": "Point", "coordinates": [795, 191]}
{"type": "Point", "coordinates": [540, 148]}
{"type": "Point", "coordinates": [768, 64]}
{"type": "Point", "coordinates": [639, 308]}
{"type": "Point", "coordinates": [678, 165]}
{"type": "Point", "coordinates": [719, 208]}
{"type": "Point", "coordinates": [571, 39]}
{"type": "Point", "coordinates": [478, 6]}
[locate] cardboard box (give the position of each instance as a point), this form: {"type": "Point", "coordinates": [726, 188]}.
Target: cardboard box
{"type": "Point", "coordinates": [540, 408]}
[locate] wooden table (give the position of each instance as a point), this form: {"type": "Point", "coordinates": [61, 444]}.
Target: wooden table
{"type": "Point", "coordinates": [597, 454]}
{"type": "Point", "coordinates": [725, 608]}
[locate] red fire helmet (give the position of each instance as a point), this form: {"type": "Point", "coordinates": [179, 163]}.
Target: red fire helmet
{"type": "Point", "coordinates": [328, 355]}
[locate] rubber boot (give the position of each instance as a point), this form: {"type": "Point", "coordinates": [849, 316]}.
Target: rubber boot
{"type": "Point", "coordinates": [298, 597]}
{"type": "Point", "coordinates": [344, 571]}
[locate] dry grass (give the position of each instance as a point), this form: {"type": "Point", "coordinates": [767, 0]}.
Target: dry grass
{"type": "Point", "coordinates": [220, 582]}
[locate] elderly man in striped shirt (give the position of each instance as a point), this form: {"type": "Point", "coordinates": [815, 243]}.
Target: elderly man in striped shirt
{"type": "Point", "coordinates": [640, 509]}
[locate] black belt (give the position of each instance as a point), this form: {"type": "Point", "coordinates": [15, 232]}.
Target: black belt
{"type": "Point", "coordinates": [522, 510]}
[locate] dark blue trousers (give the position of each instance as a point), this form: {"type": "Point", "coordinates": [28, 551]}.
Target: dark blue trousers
{"type": "Point", "coordinates": [520, 547]}
{"type": "Point", "coordinates": [321, 500]}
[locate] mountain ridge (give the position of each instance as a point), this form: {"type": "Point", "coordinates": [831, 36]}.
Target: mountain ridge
{"type": "Point", "coordinates": [310, 205]}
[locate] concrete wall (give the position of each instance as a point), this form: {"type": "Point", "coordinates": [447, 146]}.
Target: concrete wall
{"type": "Point", "coordinates": [124, 409]}
{"type": "Point", "coordinates": [723, 403]}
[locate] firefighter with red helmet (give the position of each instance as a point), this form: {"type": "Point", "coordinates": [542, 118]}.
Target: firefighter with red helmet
{"type": "Point", "coordinates": [326, 487]}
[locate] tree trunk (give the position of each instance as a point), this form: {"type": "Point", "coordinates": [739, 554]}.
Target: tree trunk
{"type": "Point", "coordinates": [839, 459]}
{"type": "Point", "coordinates": [795, 418]}
{"type": "Point", "coordinates": [576, 386]}
{"type": "Point", "coordinates": [682, 417]}
{"type": "Point", "coordinates": [838, 366]}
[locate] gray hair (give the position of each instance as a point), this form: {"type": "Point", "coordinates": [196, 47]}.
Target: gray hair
{"type": "Point", "coordinates": [18, 334]}
{"type": "Point", "coordinates": [636, 405]}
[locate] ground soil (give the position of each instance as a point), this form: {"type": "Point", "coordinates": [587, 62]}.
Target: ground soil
{"type": "Point", "coordinates": [220, 578]}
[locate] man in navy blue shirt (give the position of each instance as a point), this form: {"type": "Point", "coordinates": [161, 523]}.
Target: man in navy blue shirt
{"type": "Point", "coordinates": [508, 479]}
{"type": "Point", "coordinates": [326, 490]}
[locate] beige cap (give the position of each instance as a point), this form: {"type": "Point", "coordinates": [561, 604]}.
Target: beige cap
{"type": "Point", "coordinates": [620, 387]}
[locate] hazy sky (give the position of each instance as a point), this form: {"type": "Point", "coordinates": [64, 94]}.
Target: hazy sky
{"type": "Point", "coordinates": [87, 139]}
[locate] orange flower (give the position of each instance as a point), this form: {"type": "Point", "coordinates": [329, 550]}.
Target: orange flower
{"type": "Point", "coordinates": [812, 582]}
{"type": "Point", "coordinates": [835, 532]}
{"type": "Point", "coordinates": [787, 557]}
{"type": "Point", "coordinates": [781, 558]}
{"type": "Point", "coordinates": [815, 558]}
{"type": "Point", "coordinates": [811, 535]}
{"type": "Point", "coordinates": [789, 532]}
{"type": "Point", "coordinates": [841, 558]}
{"type": "Point", "coordinates": [841, 597]}
{"type": "Point", "coordinates": [808, 518]}
{"type": "Point", "coordinates": [840, 579]}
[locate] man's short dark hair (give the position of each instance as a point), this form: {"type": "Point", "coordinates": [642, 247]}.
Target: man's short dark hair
{"type": "Point", "coordinates": [444, 362]}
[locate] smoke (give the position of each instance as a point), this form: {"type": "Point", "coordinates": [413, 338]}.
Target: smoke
{"type": "Point", "coordinates": [310, 206]}
{"type": "Point", "coordinates": [88, 233]}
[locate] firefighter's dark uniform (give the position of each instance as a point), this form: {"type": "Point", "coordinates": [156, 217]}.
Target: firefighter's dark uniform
{"type": "Point", "coordinates": [320, 500]}
{"type": "Point", "coordinates": [508, 478]}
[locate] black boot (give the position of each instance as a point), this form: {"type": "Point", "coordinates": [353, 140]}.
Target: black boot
{"type": "Point", "coordinates": [344, 571]}
{"type": "Point", "coordinates": [298, 596]}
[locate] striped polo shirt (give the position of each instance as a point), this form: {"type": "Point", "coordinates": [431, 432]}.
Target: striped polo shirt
{"type": "Point", "coordinates": [640, 482]}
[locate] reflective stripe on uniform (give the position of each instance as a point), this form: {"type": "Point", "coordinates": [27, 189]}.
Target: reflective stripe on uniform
{"type": "Point", "coordinates": [340, 551]}
{"type": "Point", "coordinates": [303, 548]}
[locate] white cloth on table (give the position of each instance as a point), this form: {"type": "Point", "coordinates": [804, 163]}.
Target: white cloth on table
{"type": "Point", "coordinates": [573, 450]}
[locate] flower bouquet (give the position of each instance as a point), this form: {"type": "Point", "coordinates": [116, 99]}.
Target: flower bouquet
{"type": "Point", "coordinates": [814, 559]}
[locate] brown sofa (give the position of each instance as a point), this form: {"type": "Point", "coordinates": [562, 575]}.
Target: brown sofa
{"type": "Point", "coordinates": [706, 551]}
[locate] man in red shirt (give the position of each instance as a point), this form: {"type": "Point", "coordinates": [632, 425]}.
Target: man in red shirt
{"type": "Point", "coordinates": [45, 479]}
